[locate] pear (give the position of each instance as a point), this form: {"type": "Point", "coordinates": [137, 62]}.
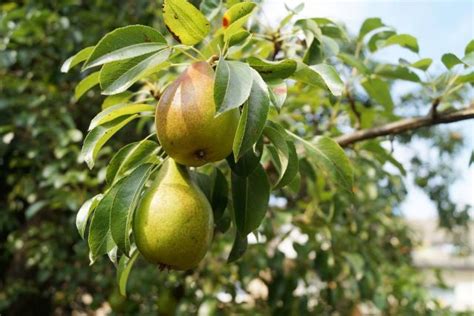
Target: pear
{"type": "Point", "coordinates": [186, 122]}
{"type": "Point", "coordinates": [173, 225]}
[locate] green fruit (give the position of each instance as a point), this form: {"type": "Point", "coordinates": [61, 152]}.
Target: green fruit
{"type": "Point", "coordinates": [173, 225]}
{"type": "Point", "coordinates": [185, 119]}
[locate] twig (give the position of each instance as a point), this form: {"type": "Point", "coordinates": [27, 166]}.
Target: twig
{"type": "Point", "coordinates": [406, 125]}
{"type": "Point", "coordinates": [352, 104]}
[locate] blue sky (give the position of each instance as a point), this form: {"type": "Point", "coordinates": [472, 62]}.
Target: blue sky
{"type": "Point", "coordinates": [440, 27]}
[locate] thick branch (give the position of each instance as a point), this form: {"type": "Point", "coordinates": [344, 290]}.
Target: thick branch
{"type": "Point", "coordinates": [406, 125]}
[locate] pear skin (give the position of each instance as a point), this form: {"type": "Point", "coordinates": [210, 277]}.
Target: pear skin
{"type": "Point", "coordinates": [173, 225]}
{"type": "Point", "coordinates": [185, 119]}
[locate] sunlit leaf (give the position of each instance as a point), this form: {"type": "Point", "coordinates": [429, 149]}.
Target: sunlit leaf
{"type": "Point", "coordinates": [185, 22]}
{"type": "Point", "coordinates": [403, 40]}
{"type": "Point", "coordinates": [330, 158]}
{"type": "Point", "coordinates": [379, 91]}
{"type": "Point", "coordinates": [253, 117]}
{"type": "Point", "coordinates": [236, 17]}
{"type": "Point", "coordinates": [118, 76]}
{"type": "Point", "coordinates": [124, 269]}
{"type": "Point", "coordinates": [86, 84]}
{"type": "Point", "coordinates": [369, 25]}
{"type": "Point", "coordinates": [129, 157]}
{"type": "Point", "coordinates": [273, 70]}
{"type": "Point", "coordinates": [321, 75]}
{"type": "Point", "coordinates": [97, 137]}
{"type": "Point", "coordinates": [84, 213]}
{"type": "Point", "coordinates": [81, 56]}
{"type": "Point", "coordinates": [232, 85]}
{"type": "Point", "coordinates": [100, 238]}
{"type": "Point", "coordinates": [115, 111]}
{"type": "Point", "coordinates": [278, 91]}
{"type": "Point", "coordinates": [125, 42]}
{"type": "Point", "coordinates": [451, 60]}
{"type": "Point", "coordinates": [422, 64]}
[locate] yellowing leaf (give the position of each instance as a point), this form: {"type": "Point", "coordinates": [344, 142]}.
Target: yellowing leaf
{"type": "Point", "coordinates": [185, 22]}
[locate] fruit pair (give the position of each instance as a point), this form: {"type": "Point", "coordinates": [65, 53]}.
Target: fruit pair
{"type": "Point", "coordinates": [173, 225]}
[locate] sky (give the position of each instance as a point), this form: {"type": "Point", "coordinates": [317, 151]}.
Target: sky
{"type": "Point", "coordinates": [440, 27]}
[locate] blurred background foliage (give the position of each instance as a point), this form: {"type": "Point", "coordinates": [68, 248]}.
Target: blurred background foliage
{"type": "Point", "coordinates": [346, 252]}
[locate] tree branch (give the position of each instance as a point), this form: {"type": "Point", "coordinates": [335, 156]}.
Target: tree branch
{"type": "Point", "coordinates": [406, 125]}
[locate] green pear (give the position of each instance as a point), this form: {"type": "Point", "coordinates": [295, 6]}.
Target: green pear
{"type": "Point", "coordinates": [186, 122]}
{"type": "Point", "coordinates": [173, 225]}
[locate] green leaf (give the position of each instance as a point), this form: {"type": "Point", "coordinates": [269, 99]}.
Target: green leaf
{"type": "Point", "coordinates": [100, 239]}
{"type": "Point", "coordinates": [369, 25]}
{"type": "Point", "coordinates": [112, 254]}
{"type": "Point", "coordinates": [330, 158]}
{"type": "Point", "coordinates": [115, 99]}
{"type": "Point", "coordinates": [117, 42]}
{"type": "Point", "coordinates": [210, 8]}
{"type": "Point", "coordinates": [465, 78]}
{"type": "Point", "coordinates": [238, 248]}
{"type": "Point", "coordinates": [99, 136]}
{"type": "Point", "coordinates": [321, 75]}
{"type": "Point", "coordinates": [471, 160]}
{"type": "Point", "coordinates": [232, 85]}
{"type": "Point", "coordinates": [248, 162]}
{"type": "Point", "coordinates": [130, 157]}
{"type": "Point", "coordinates": [85, 212]}
{"type": "Point", "coordinates": [404, 40]}
{"type": "Point", "coordinates": [313, 38]}
{"type": "Point", "coordinates": [277, 136]}
{"type": "Point", "coordinates": [253, 117]}
{"type": "Point", "coordinates": [353, 62]}
{"type": "Point", "coordinates": [469, 59]}
{"type": "Point", "coordinates": [278, 91]}
{"type": "Point", "coordinates": [72, 61]}
{"type": "Point", "coordinates": [396, 72]}
{"type": "Point", "coordinates": [379, 91]}
{"type": "Point", "coordinates": [118, 76]}
{"type": "Point", "coordinates": [124, 205]}
{"type": "Point", "coordinates": [238, 37]}
{"type": "Point", "coordinates": [314, 53]}
{"type": "Point", "coordinates": [330, 29]}
{"type": "Point", "coordinates": [118, 110]}
{"type": "Point", "coordinates": [283, 152]}
{"type": "Point", "coordinates": [378, 39]}
{"type": "Point", "coordinates": [451, 60]}
{"type": "Point", "coordinates": [292, 169]}
{"type": "Point", "coordinates": [236, 17]}
{"type": "Point", "coordinates": [330, 78]}
{"type": "Point", "coordinates": [273, 70]}
{"type": "Point", "coordinates": [250, 198]}
{"type": "Point", "coordinates": [469, 48]}
{"type": "Point", "coordinates": [86, 84]}
{"type": "Point", "coordinates": [236, 12]}
{"type": "Point", "coordinates": [422, 64]}
{"type": "Point", "coordinates": [330, 46]}
{"type": "Point", "coordinates": [382, 155]}
{"type": "Point", "coordinates": [127, 53]}
{"type": "Point", "coordinates": [185, 22]}
{"type": "Point", "coordinates": [124, 269]}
